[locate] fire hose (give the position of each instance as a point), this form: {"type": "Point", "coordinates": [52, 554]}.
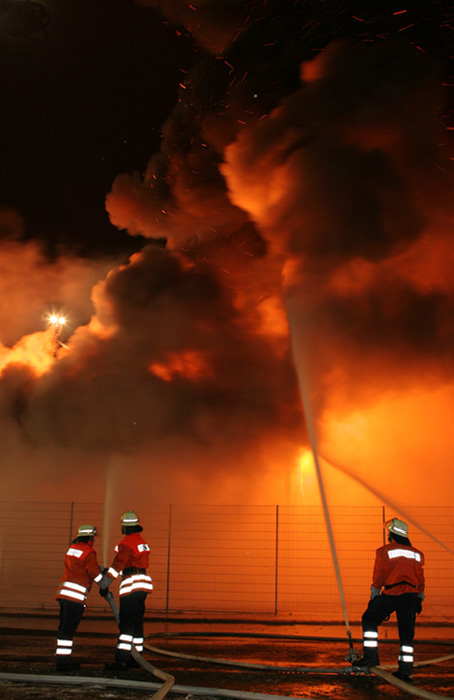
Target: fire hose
{"type": "Point", "coordinates": [274, 667]}
{"type": "Point", "coordinates": [187, 690]}
{"type": "Point", "coordinates": [376, 670]}
{"type": "Point", "coordinates": [213, 692]}
{"type": "Point", "coordinates": [407, 687]}
{"type": "Point", "coordinates": [166, 677]}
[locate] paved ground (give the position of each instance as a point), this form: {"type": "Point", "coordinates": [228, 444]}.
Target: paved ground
{"type": "Point", "coordinates": [27, 646]}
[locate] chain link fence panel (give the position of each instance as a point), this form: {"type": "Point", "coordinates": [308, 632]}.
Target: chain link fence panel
{"type": "Point", "coordinates": [266, 560]}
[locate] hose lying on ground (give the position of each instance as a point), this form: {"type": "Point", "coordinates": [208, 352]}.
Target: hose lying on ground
{"type": "Point", "coordinates": [294, 637]}
{"type": "Point", "coordinates": [408, 687]}
{"type": "Point", "coordinates": [377, 670]}
{"type": "Point", "coordinates": [295, 669]}
{"type": "Point", "coordinates": [217, 692]}
{"type": "Point", "coordinates": [243, 664]}
{"type": "Point", "coordinates": [140, 685]}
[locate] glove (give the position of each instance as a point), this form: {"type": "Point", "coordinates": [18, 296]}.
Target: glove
{"type": "Point", "coordinates": [105, 582]}
{"type": "Point", "coordinates": [374, 592]}
{"type": "Point", "coordinates": [104, 592]}
{"type": "Point", "coordinates": [421, 597]}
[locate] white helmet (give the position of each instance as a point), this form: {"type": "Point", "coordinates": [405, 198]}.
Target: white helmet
{"type": "Point", "coordinates": [87, 531]}
{"type": "Point", "coordinates": [398, 527]}
{"type": "Point", "coordinates": [129, 519]}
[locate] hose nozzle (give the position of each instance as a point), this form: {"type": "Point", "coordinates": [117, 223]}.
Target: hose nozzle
{"type": "Point", "coordinates": [352, 656]}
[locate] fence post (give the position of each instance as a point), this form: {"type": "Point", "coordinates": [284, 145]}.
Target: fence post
{"type": "Point", "coordinates": [169, 539]}
{"type": "Point", "coordinates": [71, 516]}
{"type": "Point", "coordinates": [276, 564]}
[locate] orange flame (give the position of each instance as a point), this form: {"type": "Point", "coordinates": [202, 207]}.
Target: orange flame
{"type": "Point", "coordinates": [190, 364]}
{"type": "Point", "coordinates": [306, 471]}
{"type": "Point", "coordinates": [36, 350]}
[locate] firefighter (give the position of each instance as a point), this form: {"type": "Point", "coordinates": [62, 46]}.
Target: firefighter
{"type": "Point", "coordinates": [131, 562]}
{"type": "Point", "coordinates": [81, 569]}
{"type": "Point", "coordinates": [397, 586]}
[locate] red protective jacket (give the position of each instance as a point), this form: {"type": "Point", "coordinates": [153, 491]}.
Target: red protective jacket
{"type": "Point", "coordinates": [81, 569]}
{"type": "Point", "coordinates": [399, 564]}
{"type": "Point", "coordinates": [131, 560]}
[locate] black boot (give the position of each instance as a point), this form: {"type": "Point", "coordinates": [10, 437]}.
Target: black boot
{"type": "Point", "coordinates": [366, 662]}
{"type": "Point", "coordinates": [404, 672]}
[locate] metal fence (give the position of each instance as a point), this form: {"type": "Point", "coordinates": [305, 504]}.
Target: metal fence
{"type": "Point", "coordinates": [228, 559]}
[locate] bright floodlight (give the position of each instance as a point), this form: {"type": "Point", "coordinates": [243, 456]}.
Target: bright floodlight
{"type": "Point", "coordinates": [55, 320]}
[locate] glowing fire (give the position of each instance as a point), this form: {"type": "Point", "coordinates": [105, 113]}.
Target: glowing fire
{"type": "Point", "coordinates": [36, 351]}
{"type": "Point", "coordinates": [190, 364]}
{"type": "Point", "coordinates": [306, 471]}
{"type": "Point", "coordinates": [398, 431]}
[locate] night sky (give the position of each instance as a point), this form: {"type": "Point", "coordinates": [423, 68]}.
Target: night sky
{"type": "Point", "coordinates": [85, 99]}
{"type": "Point", "coordinates": [81, 104]}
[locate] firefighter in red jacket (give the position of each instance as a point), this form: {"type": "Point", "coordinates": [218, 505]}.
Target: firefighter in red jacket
{"type": "Point", "coordinates": [131, 562]}
{"type": "Point", "coordinates": [81, 569]}
{"type": "Point", "coordinates": [397, 586]}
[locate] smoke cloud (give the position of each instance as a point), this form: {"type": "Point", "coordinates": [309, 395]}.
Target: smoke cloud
{"type": "Point", "coordinates": [63, 284]}
{"type": "Point", "coordinates": [353, 199]}
{"type": "Point", "coordinates": [300, 240]}
{"type": "Point", "coordinates": [167, 367]}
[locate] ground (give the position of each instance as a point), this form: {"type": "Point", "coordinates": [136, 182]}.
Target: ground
{"type": "Point", "coordinates": [28, 645]}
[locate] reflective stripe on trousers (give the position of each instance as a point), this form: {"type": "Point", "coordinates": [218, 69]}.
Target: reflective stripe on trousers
{"type": "Point", "coordinates": [125, 642]}
{"type": "Point", "coordinates": [370, 640]}
{"type": "Point", "coordinates": [64, 647]}
{"type": "Point", "coordinates": [138, 643]}
{"type": "Point", "coordinates": [406, 654]}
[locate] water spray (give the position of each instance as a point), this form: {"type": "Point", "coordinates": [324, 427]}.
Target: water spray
{"type": "Point", "coordinates": [107, 515]}
{"type": "Point", "coordinates": [384, 499]}
{"type": "Point", "coordinates": [352, 654]}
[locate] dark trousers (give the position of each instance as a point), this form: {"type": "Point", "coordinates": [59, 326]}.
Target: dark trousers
{"type": "Point", "coordinates": [404, 606]}
{"type": "Point", "coordinates": [70, 616]}
{"type": "Point", "coordinates": [132, 610]}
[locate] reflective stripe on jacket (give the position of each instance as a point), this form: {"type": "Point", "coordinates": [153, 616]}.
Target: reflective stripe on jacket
{"type": "Point", "coordinates": [81, 569]}
{"type": "Point", "coordinates": [132, 553]}
{"type": "Point", "coordinates": [400, 567]}
{"type": "Point", "coordinates": [136, 582]}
